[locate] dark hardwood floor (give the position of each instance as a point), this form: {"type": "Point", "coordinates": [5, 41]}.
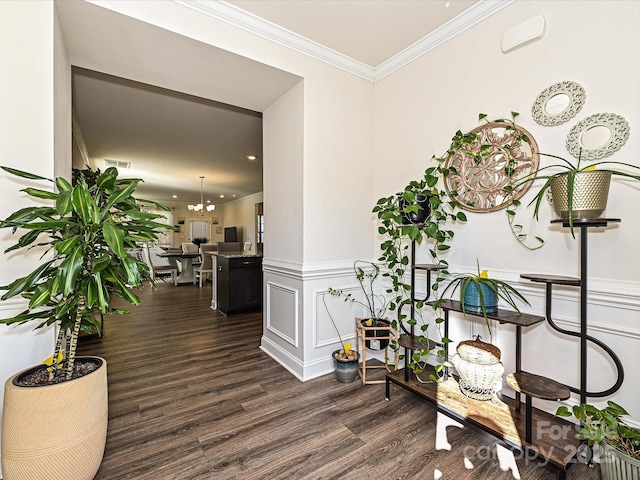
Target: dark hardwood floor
{"type": "Point", "coordinates": [191, 396]}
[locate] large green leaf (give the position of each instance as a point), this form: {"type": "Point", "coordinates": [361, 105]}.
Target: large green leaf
{"type": "Point", "coordinates": [63, 203]}
{"type": "Point", "coordinates": [130, 266]}
{"type": "Point", "coordinates": [23, 215]}
{"type": "Point", "coordinates": [41, 296]}
{"type": "Point", "coordinates": [92, 293]}
{"type": "Point", "coordinates": [46, 225]}
{"type": "Point", "coordinates": [101, 262]}
{"type": "Point", "coordinates": [28, 238]}
{"type": "Point", "coordinates": [114, 237]}
{"type": "Point", "coordinates": [25, 284]}
{"type": "Point", "coordinates": [36, 192]}
{"type": "Point", "coordinates": [63, 185]}
{"type": "Point", "coordinates": [23, 174]}
{"type": "Point", "coordinates": [119, 196]}
{"type": "Point", "coordinates": [70, 269]}
{"type": "Point", "coordinates": [65, 247]}
{"type": "Point", "coordinates": [108, 178]}
{"type": "Point", "coordinates": [80, 199]}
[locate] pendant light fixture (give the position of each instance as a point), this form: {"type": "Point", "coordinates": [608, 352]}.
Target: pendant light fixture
{"type": "Point", "coordinates": [200, 206]}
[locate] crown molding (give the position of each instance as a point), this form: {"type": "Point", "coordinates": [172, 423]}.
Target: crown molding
{"type": "Point", "coordinates": [236, 17]}
{"type": "Point", "coordinates": [454, 27]}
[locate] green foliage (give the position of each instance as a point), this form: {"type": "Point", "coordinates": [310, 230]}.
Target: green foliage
{"type": "Point", "coordinates": [565, 167]}
{"type": "Point", "coordinates": [376, 304]}
{"type": "Point", "coordinates": [600, 425]}
{"type": "Point", "coordinates": [85, 230]}
{"type": "Point", "coordinates": [398, 235]}
{"type": "Point", "coordinates": [500, 288]}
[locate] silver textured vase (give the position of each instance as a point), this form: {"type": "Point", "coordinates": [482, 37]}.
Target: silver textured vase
{"type": "Point", "coordinates": [590, 194]}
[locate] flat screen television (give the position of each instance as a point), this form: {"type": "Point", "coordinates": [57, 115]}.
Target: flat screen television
{"type": "Point", "coordinates": [230, 234]}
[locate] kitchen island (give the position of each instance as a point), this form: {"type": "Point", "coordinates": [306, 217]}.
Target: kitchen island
{"type": "Point", "coordinates": [237, 282]}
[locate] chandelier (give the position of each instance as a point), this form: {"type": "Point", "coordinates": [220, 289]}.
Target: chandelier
{"type": "Point", "coordinates": [200, 206]}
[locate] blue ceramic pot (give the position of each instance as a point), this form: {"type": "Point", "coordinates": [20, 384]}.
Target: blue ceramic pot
{"type": "Point", "coordinates": [471, 298]}
{"type": "Point", "coordinates": [346, 370]}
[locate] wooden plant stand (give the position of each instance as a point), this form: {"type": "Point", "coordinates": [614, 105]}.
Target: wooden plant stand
{"type": "Point", "coordinates": [361, 337]}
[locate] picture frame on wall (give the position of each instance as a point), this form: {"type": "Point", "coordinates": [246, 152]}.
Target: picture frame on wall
{"type": "Point", "coordinates": [218, 230]}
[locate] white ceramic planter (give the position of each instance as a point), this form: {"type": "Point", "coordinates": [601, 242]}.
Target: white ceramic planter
{"type": "Point", "coordinates": [615, 465]}
{"type": "Point", "coordinates": [55, 431]}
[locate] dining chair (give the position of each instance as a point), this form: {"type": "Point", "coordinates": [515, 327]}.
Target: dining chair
{"type": "Point", "coordinates": [158, 265]}
{"type": "Point", "coordinates": [200, 272]}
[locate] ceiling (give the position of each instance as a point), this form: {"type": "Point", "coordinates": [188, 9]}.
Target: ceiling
{"type": "Point", "coordinates": [172, 138]}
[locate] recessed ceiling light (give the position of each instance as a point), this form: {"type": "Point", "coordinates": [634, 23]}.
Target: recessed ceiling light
{"type": "Point", "coordinates": [208, 201]}
{"type": "Point", "coordinates": [251, 157]}
{"type": "Point", "coordinates": [174, 196]}
{"type": "Point", "coordinates": [221, 196]}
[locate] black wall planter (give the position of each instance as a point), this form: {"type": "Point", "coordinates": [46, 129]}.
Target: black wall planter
{"type": "Point", "coordinates": [416, 218]}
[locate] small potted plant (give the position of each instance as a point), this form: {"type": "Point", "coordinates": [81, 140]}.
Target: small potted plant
{"type": "Point", "coordinates": [55, 425]}
{"type": "Point", "coordinates": [345, 359]}
{"type": "Point", "coordinates": [577, 191]}
{"type": "Point", "coordinates": [374, 304]}
{"type": "Point", "coordinates": [620, 444]}
{"type": "Point", "coordinates": [479, 293]}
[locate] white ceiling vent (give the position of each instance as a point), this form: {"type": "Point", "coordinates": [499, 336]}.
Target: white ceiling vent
{"type": "Point", "coordinates": [116, 163]}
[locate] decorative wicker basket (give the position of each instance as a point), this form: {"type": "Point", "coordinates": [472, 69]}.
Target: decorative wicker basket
{"type": "Point", "coordinates": [477, 351]}
{"type": "Point", "coordinates": [479, 367]}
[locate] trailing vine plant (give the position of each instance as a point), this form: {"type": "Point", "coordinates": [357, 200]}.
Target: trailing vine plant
{"type": "Point", "coordinates": [444, 209]}
{"type": "Point", "coordinates": [421, 196]}
{"type": "Point", "coordinates": [484, 151]}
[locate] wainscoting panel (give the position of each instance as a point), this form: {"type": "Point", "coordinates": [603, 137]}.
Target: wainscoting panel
{"type": "Point", "coordinates": [282, 312]}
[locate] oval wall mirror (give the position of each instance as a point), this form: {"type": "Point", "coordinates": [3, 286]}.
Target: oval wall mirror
{"type": "Point", "coordinates": [558, 103]}
{"type": "Point", "coordinates": [501, 154]}
{"type": "Point", "coordinates": [598, 136]}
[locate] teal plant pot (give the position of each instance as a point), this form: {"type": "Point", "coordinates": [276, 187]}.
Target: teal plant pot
{"type": "Point", "coordinates": [346, 370]}
{"type": "Point", "coordinates": [471, 298]}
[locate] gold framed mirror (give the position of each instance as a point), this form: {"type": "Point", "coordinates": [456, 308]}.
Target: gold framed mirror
{"type": "Point", "coordinates": [500, 154]}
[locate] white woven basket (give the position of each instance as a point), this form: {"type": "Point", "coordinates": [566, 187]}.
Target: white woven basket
{"type": "Point", "coordinates": [477, 381]}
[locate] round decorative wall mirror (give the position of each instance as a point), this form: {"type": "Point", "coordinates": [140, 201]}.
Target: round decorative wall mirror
{"type": "Point", "coordinates": [598, 136]}
{"type": "Point", "coordinates": [558, 103]}
{"type": "Point", "coordinates": [500, 155]}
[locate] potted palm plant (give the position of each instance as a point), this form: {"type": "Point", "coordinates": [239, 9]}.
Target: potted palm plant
{"type": "Point", "coordinates": [620, 452]}
{"type": "Point", "coordinates": [55, 416]}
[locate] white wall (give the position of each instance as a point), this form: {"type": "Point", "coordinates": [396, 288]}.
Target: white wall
{"type": "Point", "coordinates": [419, 108]}
{"type": "Point", "coordinates": [241, 213]}
{"type": "Point", "coordinates": [26, 142]}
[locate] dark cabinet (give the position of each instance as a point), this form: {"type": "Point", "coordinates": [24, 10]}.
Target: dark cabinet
{"type": "Point", "coordinates": [239, 281]}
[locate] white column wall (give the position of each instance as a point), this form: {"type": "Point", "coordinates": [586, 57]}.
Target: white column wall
{"type": "Point", "coordinates": [26, 142]}
{"type": "Point", "coordinates": [420, 107]}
